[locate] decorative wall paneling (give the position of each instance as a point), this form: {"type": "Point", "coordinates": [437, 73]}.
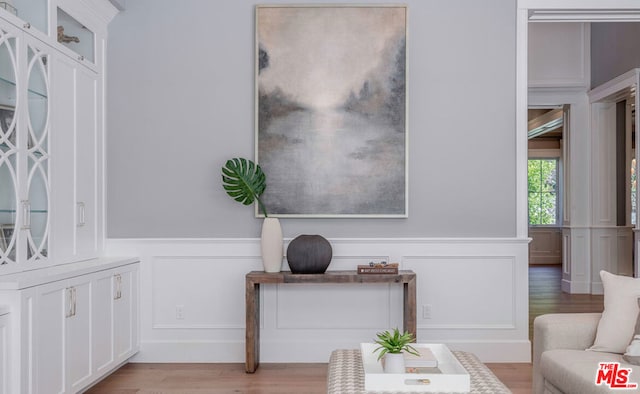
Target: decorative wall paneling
{"type": "Point", "coordinates": [470, 293]}
{"type": "Point", "coordinates": [546, 245]}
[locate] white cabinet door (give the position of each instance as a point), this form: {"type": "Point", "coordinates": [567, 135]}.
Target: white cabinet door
{"type": "Point", "coordinates": [63, 160]}
{"type": "Point", "coordinates": [86, 165]}
{"type": "Point", "coordinates": [115, 317]}
{"type": "Point", "coordinates": [78, 334]}
{"type": "Point", "coordinates": [125, 306]}
{"type": "Point", "coordinates": [4, 353]}
{"type": "Point", "coordinates": [33, 166]}
{"type": "Point", "coordinates": [102, 323]}
{"type": "Point", "coordinates": [62, 348]}
{"type": "Point", "coordinates": [24, 342]}
{"type": "Point", "coordinates": [52, 304]}
{"type": "Point", "coordinates": [74, 168]}
{"type": "Point", "coordinates": [24, 150]}
{"type": "Point", "coordinates": [9, 201]}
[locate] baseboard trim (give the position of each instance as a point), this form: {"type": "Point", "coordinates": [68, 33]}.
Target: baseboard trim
{"type": "Point", "coordinates": [516, 351]}
{"type": "Point", "coordinates": [314, 352]}
{"type": "Point", "coordinates": [190, 352]}
{"type": "Point", "coordinates": [575, 287]}
{"type": "Point", "coordinates": [597, 288]}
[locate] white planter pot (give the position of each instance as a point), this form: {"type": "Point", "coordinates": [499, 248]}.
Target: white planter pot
{"type": "Point", "coordinates": [272, 245]}
{"type": "Point", "coordinates": [394, 363]}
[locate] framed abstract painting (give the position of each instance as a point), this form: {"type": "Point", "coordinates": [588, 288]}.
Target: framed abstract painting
{"type": "Point", "coordinates": [331, 109]}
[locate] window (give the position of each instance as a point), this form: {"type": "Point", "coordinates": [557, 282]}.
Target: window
{"type": "Point", "coordinates": [543, 191]}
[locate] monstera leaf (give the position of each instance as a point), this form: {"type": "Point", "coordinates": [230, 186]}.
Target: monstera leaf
{"type": "Point", "coordinates": [244, 181]}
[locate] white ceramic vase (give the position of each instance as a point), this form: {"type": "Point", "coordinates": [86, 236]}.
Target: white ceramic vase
{"type": "Point", "coordinates": [394, 363]}
{"type": "Point", "coordinates": [272, 245]}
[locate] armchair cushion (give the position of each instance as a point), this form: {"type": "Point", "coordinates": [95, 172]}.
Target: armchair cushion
{"type": "Point", "coordinates": [618, 321]}
{"type": "Point", "coordinates": [574, 371]}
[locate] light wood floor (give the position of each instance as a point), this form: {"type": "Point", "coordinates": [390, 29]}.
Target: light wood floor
{"type": "Point", "coordinates": [545, 297]}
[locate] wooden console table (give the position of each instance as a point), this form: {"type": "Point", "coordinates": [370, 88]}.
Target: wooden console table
{"type": "Point", "coordinates": [255, 278]}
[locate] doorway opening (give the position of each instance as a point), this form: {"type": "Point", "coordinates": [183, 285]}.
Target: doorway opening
{"type": "Point", "coordinates": [583, 231]}
{"type": "Point", "coordinates": [545, 184]}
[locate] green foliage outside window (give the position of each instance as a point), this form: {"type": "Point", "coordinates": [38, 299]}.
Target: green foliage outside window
{"type": "Point", "coordinates": [543, 192]}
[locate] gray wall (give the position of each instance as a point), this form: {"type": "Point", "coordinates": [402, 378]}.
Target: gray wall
{"type": "Point", "coordinates": [614, 50]}
{"type": "Point", "coordinates": [180, 103]}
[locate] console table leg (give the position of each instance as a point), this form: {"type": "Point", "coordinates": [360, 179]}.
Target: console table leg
{"type": "Point", "coordinates": [409, 315]}
{"type": "Point", "coordinates": [252, 333]}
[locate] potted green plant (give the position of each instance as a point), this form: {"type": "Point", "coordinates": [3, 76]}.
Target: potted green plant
{"type": "Point", "coordinates": [392, 345]}
{"type": "Point", "coordinates": [244, 181]}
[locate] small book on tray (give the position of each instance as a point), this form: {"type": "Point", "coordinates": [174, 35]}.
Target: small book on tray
{"type": "Point", "coordinates": [378, 269]}
{"type": "Point", "coordinates": [426, 359]}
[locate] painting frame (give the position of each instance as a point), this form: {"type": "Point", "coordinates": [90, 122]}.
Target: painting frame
{"type": "Point", "coordinates": [370, 190]}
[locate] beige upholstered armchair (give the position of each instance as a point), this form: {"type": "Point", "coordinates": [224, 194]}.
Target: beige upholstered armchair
{"type": "Point", "coordinates": [560, 362]}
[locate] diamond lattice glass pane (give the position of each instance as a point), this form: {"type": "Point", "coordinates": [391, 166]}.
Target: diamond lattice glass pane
{"type": "Point", "coordinates": [7, 58]}
{"type": "Point", "coordinates": [38, 198]}
{"type": "Point", "coordinates": [37, 98]}
{"type": "Point", "coordinates": [8, 149]}
{"type": "Point", "coordinates": [8, 207]}
{"type": "Point", "coordinates": [7, 91]}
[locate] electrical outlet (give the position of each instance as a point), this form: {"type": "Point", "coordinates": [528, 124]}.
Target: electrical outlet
{"type": "Point", "coordinates": [426, 311]}
{"type": "Point", "coordinates": [179, 312]}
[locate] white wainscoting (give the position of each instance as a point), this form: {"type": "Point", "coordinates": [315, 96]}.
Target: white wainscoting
{"type": "Point", "coordinates": [546, 245]}
{"type": "Point", "coordinates": [612, 252]}
{"type": "Point", "coordinates": [576, 272]}
{"type": "Point", "coordinates": [472, 294]}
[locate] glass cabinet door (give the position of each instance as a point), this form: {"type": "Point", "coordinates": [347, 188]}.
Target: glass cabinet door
{"type": "Point", "coordinates": [75, 36]}
{"type": "Point", "coordinates": [34, 12]}
{"type": "Point", "coordinates": [8, 147]}
{"type": "Point", "coordinates": [37, 148]}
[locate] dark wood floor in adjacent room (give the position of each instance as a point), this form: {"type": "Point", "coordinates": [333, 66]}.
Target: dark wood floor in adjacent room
{"type": "Point", "coordinates": [544, 297]}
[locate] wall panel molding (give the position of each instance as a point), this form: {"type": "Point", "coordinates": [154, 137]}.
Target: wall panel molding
{"type": "Point", "coordinates": [546, 245]}
{"type": "Point", "coordinates": [559, 55]}
{"type": "Point", "coordinates": [459, 278]}
{"type": "Point", "coordinates": [491, 276]}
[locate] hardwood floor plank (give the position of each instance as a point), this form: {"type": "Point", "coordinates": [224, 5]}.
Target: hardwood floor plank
{"type": "Point", "coordinates": [517, 377]}
{"type": "Point", "coordinates": [545, 296]}
{"type": "Point", "coordinates": [215, 379]}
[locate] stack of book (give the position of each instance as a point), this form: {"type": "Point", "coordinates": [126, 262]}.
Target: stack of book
{"type": "Point", "coordinates": [426, 359]}
{"type": "Point", "coordinates": [391, 268]}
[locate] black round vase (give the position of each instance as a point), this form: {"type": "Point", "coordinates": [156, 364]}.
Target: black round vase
{"type": "Point", "coordinates": [309, 254]}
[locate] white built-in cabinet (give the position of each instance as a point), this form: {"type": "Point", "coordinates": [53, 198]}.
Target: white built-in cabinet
{"type": "Point", "coordinates": [72, 314]}
{"type": "Point", "coordinates": [51, 131]}
{"type": "Point", "coordinates": [73, 324]}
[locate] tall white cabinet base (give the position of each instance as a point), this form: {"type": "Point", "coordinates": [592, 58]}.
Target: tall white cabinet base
{"type": "Point", "coordinates": [4, 350]}
{"type": "Point", "coordinates": [70, 324]}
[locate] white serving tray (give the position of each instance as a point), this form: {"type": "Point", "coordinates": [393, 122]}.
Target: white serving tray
{"type": "Point", "coordinates": [453, 377]}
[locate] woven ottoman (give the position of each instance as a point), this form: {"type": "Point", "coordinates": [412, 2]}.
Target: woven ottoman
{"type": "Point", "coordinates": [346, 375]}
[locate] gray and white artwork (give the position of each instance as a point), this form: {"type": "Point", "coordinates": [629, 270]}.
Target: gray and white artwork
{"type": "Point", "coordinates": [331, 110]}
